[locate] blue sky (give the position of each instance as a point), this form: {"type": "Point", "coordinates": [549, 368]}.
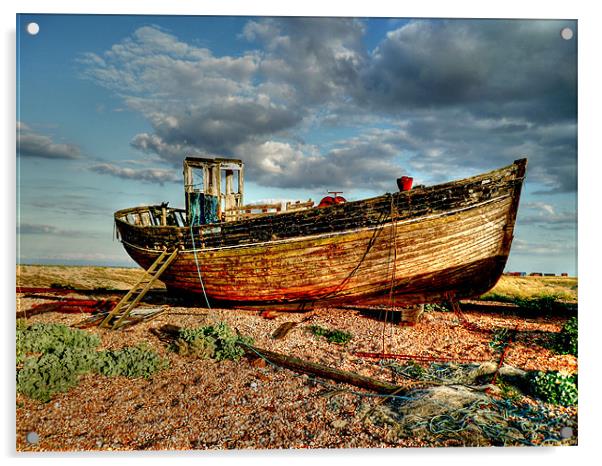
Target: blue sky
{"type": "Point", "coordinates": [108, 106]}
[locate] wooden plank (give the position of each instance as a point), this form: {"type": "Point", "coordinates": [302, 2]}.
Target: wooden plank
{"type": "Point", "coordinates": [448, 249]}
{"type": "Point", "coordinates": [135, 290]}
{"type": "Point", "coordinates": [164, 260]}
{"type": "Point", "coordinates": [321, 370]}
{"type": "Point", "coordinates": [245, 280]}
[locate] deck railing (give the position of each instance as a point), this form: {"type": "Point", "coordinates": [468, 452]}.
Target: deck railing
{"type": "Point", "coordinates": [153, 216]}
{"type": "Point", "coordinates": [258, 210]}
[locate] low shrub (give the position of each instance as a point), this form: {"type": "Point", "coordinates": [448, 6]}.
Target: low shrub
{"type": "Point", "coordinates": [218, 342]}
{"type": "Point", "coordinates": [104, 288]}
{"type": "Point", "coordinates": [555, 387]}
{"type": "Point", "coordinates": [500, 339]}
{"type": "Point", "coordinates": [137, 361]}
{"type": "Point", "coordinates": [60, 286]}
{"type": "Point", "coordinates": [567, 339]}
{"type": "Point", "coordinates": [43, 376]}
{"type": "Point", "coordinates": [541, 304]}
{"type": "Point", "coordinates": [437, 307]}
{"type": "Point", "coordinates": [500, 298]}
{"type": "Point", "coordinates": [51, 338]}
{"type": "Point", "coordinates": [333, 336]}
{"type": "Point", "coordinates": [52, 357]}
{"type": "Point", "coordinates": [508, 391]}
{"type": "Point", "coordinates": [535, 305]}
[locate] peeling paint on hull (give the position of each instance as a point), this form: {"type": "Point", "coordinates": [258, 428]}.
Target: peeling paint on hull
{"type": "Point", "coordinates": [418, 246]}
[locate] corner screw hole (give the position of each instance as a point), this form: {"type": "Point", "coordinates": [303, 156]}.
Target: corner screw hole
{"type": "Point", "coordinates": [32, 437]}
{"type": "Point", "coordinates": [566, 33]}
{"type": "Point", "coordinates": [33, 28]}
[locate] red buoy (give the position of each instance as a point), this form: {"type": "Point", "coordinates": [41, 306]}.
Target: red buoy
{"type": "Point", "coordinates": [405, 183]}
{"type": "Point", "coordinates": [332, 200]}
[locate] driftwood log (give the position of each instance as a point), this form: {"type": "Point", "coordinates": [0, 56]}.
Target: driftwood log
{"type": "Point", "coordinates": [321, 370]}
{"type": "Point", "coordinates": [306, 367]}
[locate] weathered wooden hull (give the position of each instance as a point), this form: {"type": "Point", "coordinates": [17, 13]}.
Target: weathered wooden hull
{"type": "Point", "coordinates": [424, 246]}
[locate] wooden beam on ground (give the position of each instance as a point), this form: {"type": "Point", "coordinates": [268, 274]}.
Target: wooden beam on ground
{"type": "Point", "coordinates": [321, 370]}
{"type": "Point", "coordinates": [283, 330]}
{"type": "Point", "coordinates": [305, 367]}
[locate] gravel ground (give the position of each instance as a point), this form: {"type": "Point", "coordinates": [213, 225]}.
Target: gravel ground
{"type": "Point", "coordinates": [203, 404]}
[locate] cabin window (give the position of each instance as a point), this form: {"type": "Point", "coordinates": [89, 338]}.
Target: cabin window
{"type": "Point", "coordinates": [198, 180]}
{"type": "Point", "coordinates": [229, 188]}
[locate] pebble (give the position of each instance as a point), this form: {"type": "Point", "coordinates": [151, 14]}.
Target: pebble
{"type": "Point", "coordinates": [339, 423]}
{"type": "Point", "coordinates": [281, 410]}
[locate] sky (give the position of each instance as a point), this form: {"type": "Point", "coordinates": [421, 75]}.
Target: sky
{"type": "Point", "coordinates": [108, 107]}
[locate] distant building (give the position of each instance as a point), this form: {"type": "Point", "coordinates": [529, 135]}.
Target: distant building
{"type": "Point", "coordinates": [535, 274]}
{"type": "Point", "coordinates": [549, 274]}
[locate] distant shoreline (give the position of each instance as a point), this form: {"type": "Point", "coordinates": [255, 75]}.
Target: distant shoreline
{"type": "Point", "coordinates": [53, 264]}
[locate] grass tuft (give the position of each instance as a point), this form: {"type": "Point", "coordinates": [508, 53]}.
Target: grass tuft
{"type": "Point", "coordinates": [51, 358]}
{"type": "Point", "coordinates": [338, 337]}
{"type": "Point", "coordinates": [218, 342]}
{"type": "Point", "coordinates": [555, 387]}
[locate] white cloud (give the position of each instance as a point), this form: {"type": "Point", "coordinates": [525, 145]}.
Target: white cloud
{"type": "Point", "coordinates": [543, 207]}
{"type": "Point", "coordinates": [542, 248]}
{"type": "Point", "coordinates": [33, 144]}
{"type": "Point", "coordinates": [442, 91]}
{"type": "Point", "coordinates": [25, 228]}
{"type": "Point", "coordinates": [148, 175]}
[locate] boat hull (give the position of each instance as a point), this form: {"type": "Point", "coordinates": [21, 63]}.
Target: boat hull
{"type": "Point", "coordinates": [402, 259]}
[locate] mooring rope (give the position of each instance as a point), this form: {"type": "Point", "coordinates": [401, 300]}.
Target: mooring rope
{"type": "Point", "coordinates": [376, 233]}
{"type": "Point", "coordinates": [495, 418]}
{"type": "Point", "coordinates": [393, 245]}
{"type": "Point", "coordinates": [195, 214]}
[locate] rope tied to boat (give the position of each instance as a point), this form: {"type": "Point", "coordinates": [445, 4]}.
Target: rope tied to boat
{"type": "Point", "coordinates": [392, 251]}
{"type": "Point", "coordinates": [195, 214]}
{"type": "Point", "coordinates": [376, 233]}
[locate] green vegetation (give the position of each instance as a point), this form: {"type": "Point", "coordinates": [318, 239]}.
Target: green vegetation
{"type": "Point", "coordinates": [211, 342]}
{"type": "Point", "coordinates": [500, 298]}
{"type": "Point", "coordinates": [133, 362]}
{"type": "Point", "coordinates": [500, 339]}
{"type": "Point", "coordinates": [51, 338]}
{"type": "Point", "coordinates": [509, 391]}
{"type": "Point", "coordinates": [555, 387]}
{"type": "Point", "coordinates": [566, 342]}
{"type": "Point", "coordinates": [410, 369]}
{"type": "Point", "coordinates": [59, 286]}
{"type": "Point", "coordinates": [103, 288]}
{"type": "Point", "coordinates": [542, 304]}
{"type": "Point", "coordinates": [333, 336]}
{"type": "Point", "coordinates": [52, 357]}
{"type": "Point", "coordinates": [43, 376]}
{"type": "Point", "coordinates": [441, 307]}
{"type": "Point", "coordinates": [509, 288]}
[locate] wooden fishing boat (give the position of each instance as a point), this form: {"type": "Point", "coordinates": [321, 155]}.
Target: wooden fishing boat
{"type": "Point", "coordinates": [423, 245]}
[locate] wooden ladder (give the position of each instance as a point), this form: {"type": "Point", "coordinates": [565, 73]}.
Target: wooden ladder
{"type": "Point", "coordinates": [133, 297]}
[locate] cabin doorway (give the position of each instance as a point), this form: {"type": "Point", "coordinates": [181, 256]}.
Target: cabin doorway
{"type": "Point", "coordinates": [212, 188]}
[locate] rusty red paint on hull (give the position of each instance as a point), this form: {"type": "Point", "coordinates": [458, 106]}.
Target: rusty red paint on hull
{"type": "Point", "coordinates": [417, 246]}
